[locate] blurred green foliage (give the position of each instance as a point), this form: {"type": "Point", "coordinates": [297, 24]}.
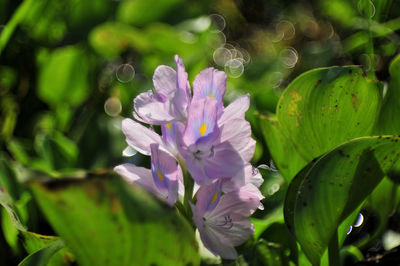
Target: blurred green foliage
{"type": "Point", "coordinates": [69, 71]}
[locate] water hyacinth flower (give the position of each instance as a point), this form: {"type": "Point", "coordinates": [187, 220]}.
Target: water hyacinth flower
{"type": "Point", "coordinates": [212, 142]}
{"type": "Point", "coordinates": [223, 221]}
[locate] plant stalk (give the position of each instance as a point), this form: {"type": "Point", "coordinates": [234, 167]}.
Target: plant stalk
{"type": "Point", "coordinates": [12, 24]}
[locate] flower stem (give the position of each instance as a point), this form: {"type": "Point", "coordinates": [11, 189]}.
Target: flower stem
{"type": "Point", "coordinates": [333, 251]}
{"type": "Point", "coordinates": [15, 20]}
{"type": "Point", "coordinates": [189, 184]}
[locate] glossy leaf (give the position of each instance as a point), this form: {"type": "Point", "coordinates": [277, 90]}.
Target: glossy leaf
{"type": "Point", "coordinates": [104, 221]}
{"type": "Point", "coordinates": [43, 256]}
{"type": "Point", "coordinates": [283, 151]}
{"type": "Point", "coordinates": [330, 188]}
{"type": "Point", "coordinates": [326, 107]}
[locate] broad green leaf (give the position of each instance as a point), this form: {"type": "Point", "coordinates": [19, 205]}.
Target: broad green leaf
{"type": "Point", "coordinates": [105, 221]}
{"type": "Point", "coordinates": [112, 38]}
{"type": "Point", "coordinates": [326, 107]}
{"type": "Point", "coordinates": [330, 188]}
{"type": "Point", "coordinates": [43, 256]}
{"type": "Point", "coordinates": [283, 151]}
{"type": "Point", "coordinates": [63, 77]}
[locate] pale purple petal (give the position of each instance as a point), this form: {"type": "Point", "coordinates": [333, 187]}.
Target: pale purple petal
{"type": "Point", "coordinates": [195, 168]}
{"type": "Point", "coordinates": [171, 134]}
{"type": "Point", "coordinates": [255, 178]}
{"type": "Point", "coordinates": [210, 83]}
{"type": "Point", "coordinates": [207, 163]}
{"type": "Point", "coordinates": [237, 181]}
{"type": "Point", "coordinates": [213, 243]}
{"type": "Point", "coordinates": [235, 110]}
{"type": "Point", "coordinates": [238, 133]}
{"type": "Point", "coordinates": [164, 80]}
{"type": "Point", "coordinates": [139, 137]}
{"type": "Point", "coordinates": [165, 171]}
{"type": "Point", "coordinates": [236, 233]}
{"type": "Point", "coordinates": [242, 202]}
{"type": "Point", "coordinates": [201, 124]}
{"type": "Point", "coordinates": [209, 237]}
{"type": "Point", "coordinates": [155, 108]}
{"type": "Point", "coordinates": [139, 176]}
{"type": "Point", "coordinates": [182, 96]}
{"type": "Point", "coordinates": [208, 197]}
{"type": "Point", "coordinates": [225, 162]}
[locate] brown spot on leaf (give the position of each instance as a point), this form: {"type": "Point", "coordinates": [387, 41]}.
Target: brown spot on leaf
{"type": "Point", "coordinates": [293, 107]}
{"type": "Point", "coordinates": [355, 101]}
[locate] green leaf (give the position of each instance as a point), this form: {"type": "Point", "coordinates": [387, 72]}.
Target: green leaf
{"type": "Point", "coordinates": [105, 221]}
{"type": "Point", "coordinates": [283, 151]}
{"type": "Point", "coordinates": [43, 256]}
{"type": "Point", "coordinates": [63, 77]}
{"type": "Point", "coordinates": [326, 107]}
{"type": "Point", "coordinates": [7, 203]}
{"type": "Point", "coordinates": [333, 186]}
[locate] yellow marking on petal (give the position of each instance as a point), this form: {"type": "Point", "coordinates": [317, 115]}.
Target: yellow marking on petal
{"type": "Point", "coordinates": [214, 198]}
{"type": "Point", "coordinates": [203, 129]}
{"type": "Point", "coordinates": [160, 176]}
{"type": "Point", "coordinates": [168, 126]}
{"type": "Point", "coordinates": [211, 95]}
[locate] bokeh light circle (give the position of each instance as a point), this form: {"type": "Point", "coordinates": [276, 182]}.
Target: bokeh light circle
{"type": "Point", "coordinates": [113, 106]}
{"type": "Point", "coordinates": [234, 68]}
{"type": "Point", "coordinates": [125, 73]}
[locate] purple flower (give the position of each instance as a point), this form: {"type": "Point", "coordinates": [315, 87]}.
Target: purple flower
{"type": "Point", "coordinates": [207, 150]}
{"type": "Point", "coordinates": [212, 141]}
{"type": "Point", "coordinates": [163, 180]}
{"type": "Point", "coordinates": [170, 98]}
{"type": "Point", "coordinates": [223, 221]}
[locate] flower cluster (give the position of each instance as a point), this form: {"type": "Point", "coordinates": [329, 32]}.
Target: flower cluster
{"type": "Point", "coordinates": [201, 141]}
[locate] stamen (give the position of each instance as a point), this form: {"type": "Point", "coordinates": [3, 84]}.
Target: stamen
{"type": "Point", "coordinates": [168, 126]}
{"type": "Point", "coordinates": [211, 95]}
{"type": "Point", "coordinates": [227, 223]}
